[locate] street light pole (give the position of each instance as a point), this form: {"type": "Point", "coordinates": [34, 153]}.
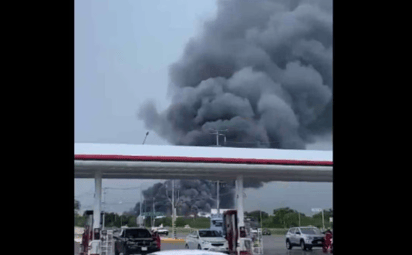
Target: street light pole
{"type": "Point", "coordinates": [173, 209]}
{"type": "Point", "coordinates": [152, 218]}
{"type": "Point", "coordinates": [323, 220]}
{"type": "Point", "coordinates": [218, 197]}
{"type": "Point", "coordinates": [173, 206]}
{"type": "Point", "coordinates": [145, 137]}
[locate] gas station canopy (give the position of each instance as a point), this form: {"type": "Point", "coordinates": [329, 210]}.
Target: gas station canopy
{"type": "Point", "coordinates": [123, 161]}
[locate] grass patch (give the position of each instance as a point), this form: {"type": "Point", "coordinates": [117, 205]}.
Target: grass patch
{"type": "Point", "coordinates": [278, 231]}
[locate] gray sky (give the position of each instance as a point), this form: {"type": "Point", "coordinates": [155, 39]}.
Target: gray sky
{"type": "Point", "coordinates": [122, 53]}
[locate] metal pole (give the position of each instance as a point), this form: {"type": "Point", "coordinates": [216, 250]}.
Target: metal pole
{"type": "Point", "coordinates": [240, 212]}
{"type": "Point", "coordinates": [104, 207]}
{"type": "Point", "coordinates": [152, 220]}
{"type": "Point", "coordinates": [217, 135]}
{"type": "Point", "coordinates": [173, 209]}
{"type": "Point", "coordinates": [145, 137]}
{"type": "Point", "coordinates": [141, 202]}
{"type": "Point", "coordinates": [299, 218]}
{"type": "Point", "coordinates": [323, 220]}
{"type": "Point", "coordinates": [97, 200]}
{"type": "Point", "coordinates": [218, 198]}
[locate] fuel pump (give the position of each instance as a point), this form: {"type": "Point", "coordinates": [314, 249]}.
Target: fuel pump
{"type": "Point", "coordinates": [89, 233]}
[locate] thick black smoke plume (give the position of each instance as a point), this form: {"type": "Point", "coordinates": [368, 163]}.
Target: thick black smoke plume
{"type": "Point", "coordinates": [194, 196]}
{"type": "Point", "coordinates": [261, 69]}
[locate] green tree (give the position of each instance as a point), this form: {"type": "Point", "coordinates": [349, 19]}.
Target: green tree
{"type": "Point", "coordinates": [317, 218]}
{"type": "Point", "coordinates": [76, 206]}
{"type": "Point", "coordinates": [280, 214]}
{"type": "Point", "coordinates": [291, 219]}
{"type": "Point", "coordinates": [256, 215]}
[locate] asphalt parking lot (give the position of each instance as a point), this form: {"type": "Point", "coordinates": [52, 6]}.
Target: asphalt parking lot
{"type": "Point", "coordinates": [272, 245]}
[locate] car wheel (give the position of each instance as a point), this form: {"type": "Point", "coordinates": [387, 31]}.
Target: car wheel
{"type": "Point", "coordinates": [186, 246]}
{"type": "Point", "coordinates": [302, 245]}
{"type": "Point", "coordinates": [199, 247]}
{"type": "Point", "coordinates": [288, 245]}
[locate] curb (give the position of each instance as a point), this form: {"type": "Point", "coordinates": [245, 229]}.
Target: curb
{"type": "Point", "coordinates": [171, 240]}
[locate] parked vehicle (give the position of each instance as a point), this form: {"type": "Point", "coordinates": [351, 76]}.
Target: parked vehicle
{"type": "Point", "coordinates": [163, 231]}
{"type": "Point", "coordinates": [186, 252]}
{"type": "Point", "coordinates": [206, 239]}
{"type": "Point", "coordinates": [266, 232]}
{"type": "Point", "coordinates": [135, 240]}
{"type": "Point", "coordinates": [305, 237]}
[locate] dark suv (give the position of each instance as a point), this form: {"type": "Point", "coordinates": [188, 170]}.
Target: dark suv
{"type": "Point", "coordinates": [135, 240]}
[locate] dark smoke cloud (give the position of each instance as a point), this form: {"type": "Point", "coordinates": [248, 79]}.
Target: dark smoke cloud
{"type": "Point", "coordinates": [262, 69]}
{"type": "Point", "coordinates": [194, 196]}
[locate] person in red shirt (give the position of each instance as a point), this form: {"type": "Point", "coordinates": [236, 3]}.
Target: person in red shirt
{"type": "Point", "coordinates": [85, 240]}
{"type": "Point", "coordinates": [158, 240]}
{"type": "Point", "coordinates": [327, 244]}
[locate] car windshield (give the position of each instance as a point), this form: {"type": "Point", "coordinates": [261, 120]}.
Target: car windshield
{"type": "Point", "coordinates": [138, 233]}
{"type": "Point", "coordinates": [217, 223]}
{"type": "Point", "coordinates": [311, 231]}
{"type": "Point", "coordinates": [209, 233]}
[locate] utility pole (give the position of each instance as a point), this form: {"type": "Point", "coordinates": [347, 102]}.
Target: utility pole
{"type": "Point", "coordinates": [217, 144]}
{"type": "Point", "coordinates": [216, 132]}
{"type": "Point", "coordinates": [173, 207]}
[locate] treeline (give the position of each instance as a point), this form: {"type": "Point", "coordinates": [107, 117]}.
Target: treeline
{"type": "Point", "coordinates": [282, 218]}
{"type": "Point", "coordinates": [116, 220]}
{"type": "Point", "coordinates": [287, 218]}
{"type": "Point", "coordinates": [110, 220]}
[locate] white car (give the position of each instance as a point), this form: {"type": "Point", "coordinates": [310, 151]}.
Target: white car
{"type": "Point", "coordinates": [186, 252]}
{"type": "Point", "coordinates": [162, 231]}
{"type": "Point", "coordinates": [206, 239]}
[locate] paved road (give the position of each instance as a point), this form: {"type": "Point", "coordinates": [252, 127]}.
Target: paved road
{"type": "Point", "coordinates": [272, 245]}
{"type": "Point", "coordinates": [76, 248]}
